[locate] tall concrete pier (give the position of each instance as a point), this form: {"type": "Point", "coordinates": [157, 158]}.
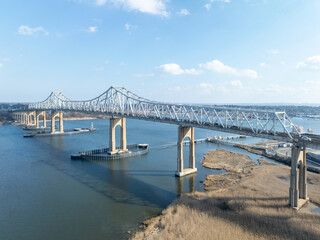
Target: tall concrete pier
{"type": "Point", "coordinates": [43, 114]}
{"type": "Point", "coordinates": [185, 132]}
{"type": "Point", "coordinates": [53, 121]}
{"type": "Point", "coordinates": [298, 177]}
{"type": "Point", "coordinates": [112, 135]}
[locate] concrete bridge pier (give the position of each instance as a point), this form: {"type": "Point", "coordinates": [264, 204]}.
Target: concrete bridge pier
{"type": "Point", "coordinates": [53, 122]}
{"type": "Point", "coordinates": [123, 135]}
{"type": "Point", "coordinates": [25, 119]}
{"type": "Point", "coordinates": [38, 114]}
{"type": "Point", "coordinates": [31, 115]}
{"type": "Point", "coordinates": [186, 132]}
{"type": "Point", "coordinates": [298, 177]}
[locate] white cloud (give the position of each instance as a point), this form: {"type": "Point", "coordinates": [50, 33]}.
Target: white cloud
{"type": "Point", "coordinates": [301, 65]}
{"type": "Point", "coordinates": [1, 65]}
{"type": "Point", "coordinates": [129, 26]}
{"type": "Point", "coordinates": [183, 12]}
{"type": "Point", "coordinates": [314, 59]}
{"type": "Point", "coordinates": [220, 67]}
{"type": "Point", "coordinates": [274, 51]}
{"type": "Point", "coordinates": [236, 83]}
{"type": "Point", "coordinates": [101, 2]}
{"type": "Point", "coordinates": [312, 62]}
{"type": "Point", "coordinates": [175, 69]}
{"type": "Point", "coordinates": [155, 7]}
{"type": "Point", "coordinates": [207, 6]}
{"type": "Point", "coordinates": [26, 30]}
{"type": "Point", "coordinates": [248, 73]}
{"type": "Point", "coordinates": [207, 87]}
{"type": "Point", "coordinates": [93, 29]}
{"type": "Point", "coordinates": [263, 64]}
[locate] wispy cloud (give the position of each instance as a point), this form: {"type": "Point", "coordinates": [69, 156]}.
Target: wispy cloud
{"type": "Point", "coordinates": [312, 62]}
{"type": "Point", "coordinates": [175, 69]}
{"type": "Point", "coordinates": [220, 67]}
{"type": "Point", "coordinates": [129, 26]}
{"type": "Point", "coordinates": [26, 30]}
{"type": "Point", "coordinates": [209, 4]}
{"type": "Point", "coordinates": [155, 7]}
{"type": "Point", "coordinates": [183, 12]}
{"type": "Point", "coordinates": [274, 51]}
{"type": "Point", "coordinates": [236, 83]}
{"type": "Point", "coordinates": [93, 29]}
{"type": "Point", "coordinates": [1, 65]}
{"type": "Point", "coordinates": [207, 87]}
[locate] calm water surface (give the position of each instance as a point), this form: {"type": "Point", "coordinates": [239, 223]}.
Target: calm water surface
{"type": "Point", "coordinates": [46, 195]}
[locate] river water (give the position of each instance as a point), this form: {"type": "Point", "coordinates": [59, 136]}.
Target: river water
{"type": "Point", "coordinates": [46, 195]}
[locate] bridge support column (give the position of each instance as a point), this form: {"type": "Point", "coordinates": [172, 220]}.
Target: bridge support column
{"type": "Point", "coordinates": [185, 132]}
{"type": "Point", "coordinates": [53, 122]}
{"type": "Point", "coordinates": [61, 121]}
{"type": "Point", "coordinates": [38, 114]}
{"type": "Point", "coordinates": [26, 119]}
{"type": "Point", "coordinates": [112, 136]}
{"type": "Point", "coordinates": [31, 121]}
{"type": "Point", "coordinates": [298, 177]}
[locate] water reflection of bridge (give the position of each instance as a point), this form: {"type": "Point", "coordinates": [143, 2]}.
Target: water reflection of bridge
{"type": "Point", "coordinates": [119, 104]}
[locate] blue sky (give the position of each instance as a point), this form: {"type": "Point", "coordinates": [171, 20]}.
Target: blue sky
{"type": "Point", "coordinates": [201, 51]}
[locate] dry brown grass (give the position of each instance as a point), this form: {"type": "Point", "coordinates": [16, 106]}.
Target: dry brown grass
{"type": "Point", "coordinates": [229, 161]}
{"type": "Point", "coordinates": [254, 208]}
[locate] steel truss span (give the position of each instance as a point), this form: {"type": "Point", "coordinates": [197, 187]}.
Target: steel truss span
{"type": "Point", "coordinates": [119, 102]}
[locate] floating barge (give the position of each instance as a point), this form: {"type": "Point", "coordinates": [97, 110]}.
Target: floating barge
{"type": "Point", "coordinates": [103, 154]}
{"type": "Point", "coordinates": [43, 133]}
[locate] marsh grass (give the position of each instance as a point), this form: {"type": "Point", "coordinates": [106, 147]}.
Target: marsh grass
{"type": "Point", "coordinates": [254, 208]}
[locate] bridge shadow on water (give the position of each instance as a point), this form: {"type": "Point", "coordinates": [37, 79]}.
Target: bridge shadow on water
{"type": "Point", "coordinates": [119, 185]}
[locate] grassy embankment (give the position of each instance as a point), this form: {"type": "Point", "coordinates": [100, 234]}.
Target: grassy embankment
{"type": "Point", "coordinates": [249, 202]}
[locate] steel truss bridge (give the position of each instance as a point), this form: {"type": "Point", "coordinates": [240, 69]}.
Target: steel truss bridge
{"type": "Point", "coordinates": [119, 102]}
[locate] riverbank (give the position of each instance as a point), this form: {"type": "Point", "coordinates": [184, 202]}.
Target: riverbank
{"type": "Point", "coordinates": [249, 202]}
{"type": "Point", "coordinates": [282, 159]}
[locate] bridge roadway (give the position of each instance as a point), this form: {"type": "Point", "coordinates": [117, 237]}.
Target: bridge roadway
{"type": "Point", "coordinates": [120, 104]}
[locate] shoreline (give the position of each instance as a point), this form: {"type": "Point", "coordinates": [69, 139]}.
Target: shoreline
{"type": "Point", "coordinates": [64, 119]}
{"type": "Point", "coordinates": [277, 158]}
{"type": "Point", "coordinates": [238, 203]}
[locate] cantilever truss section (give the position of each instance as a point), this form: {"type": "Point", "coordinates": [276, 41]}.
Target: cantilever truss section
{"type": "Point", "coordinates": [117, 101]}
